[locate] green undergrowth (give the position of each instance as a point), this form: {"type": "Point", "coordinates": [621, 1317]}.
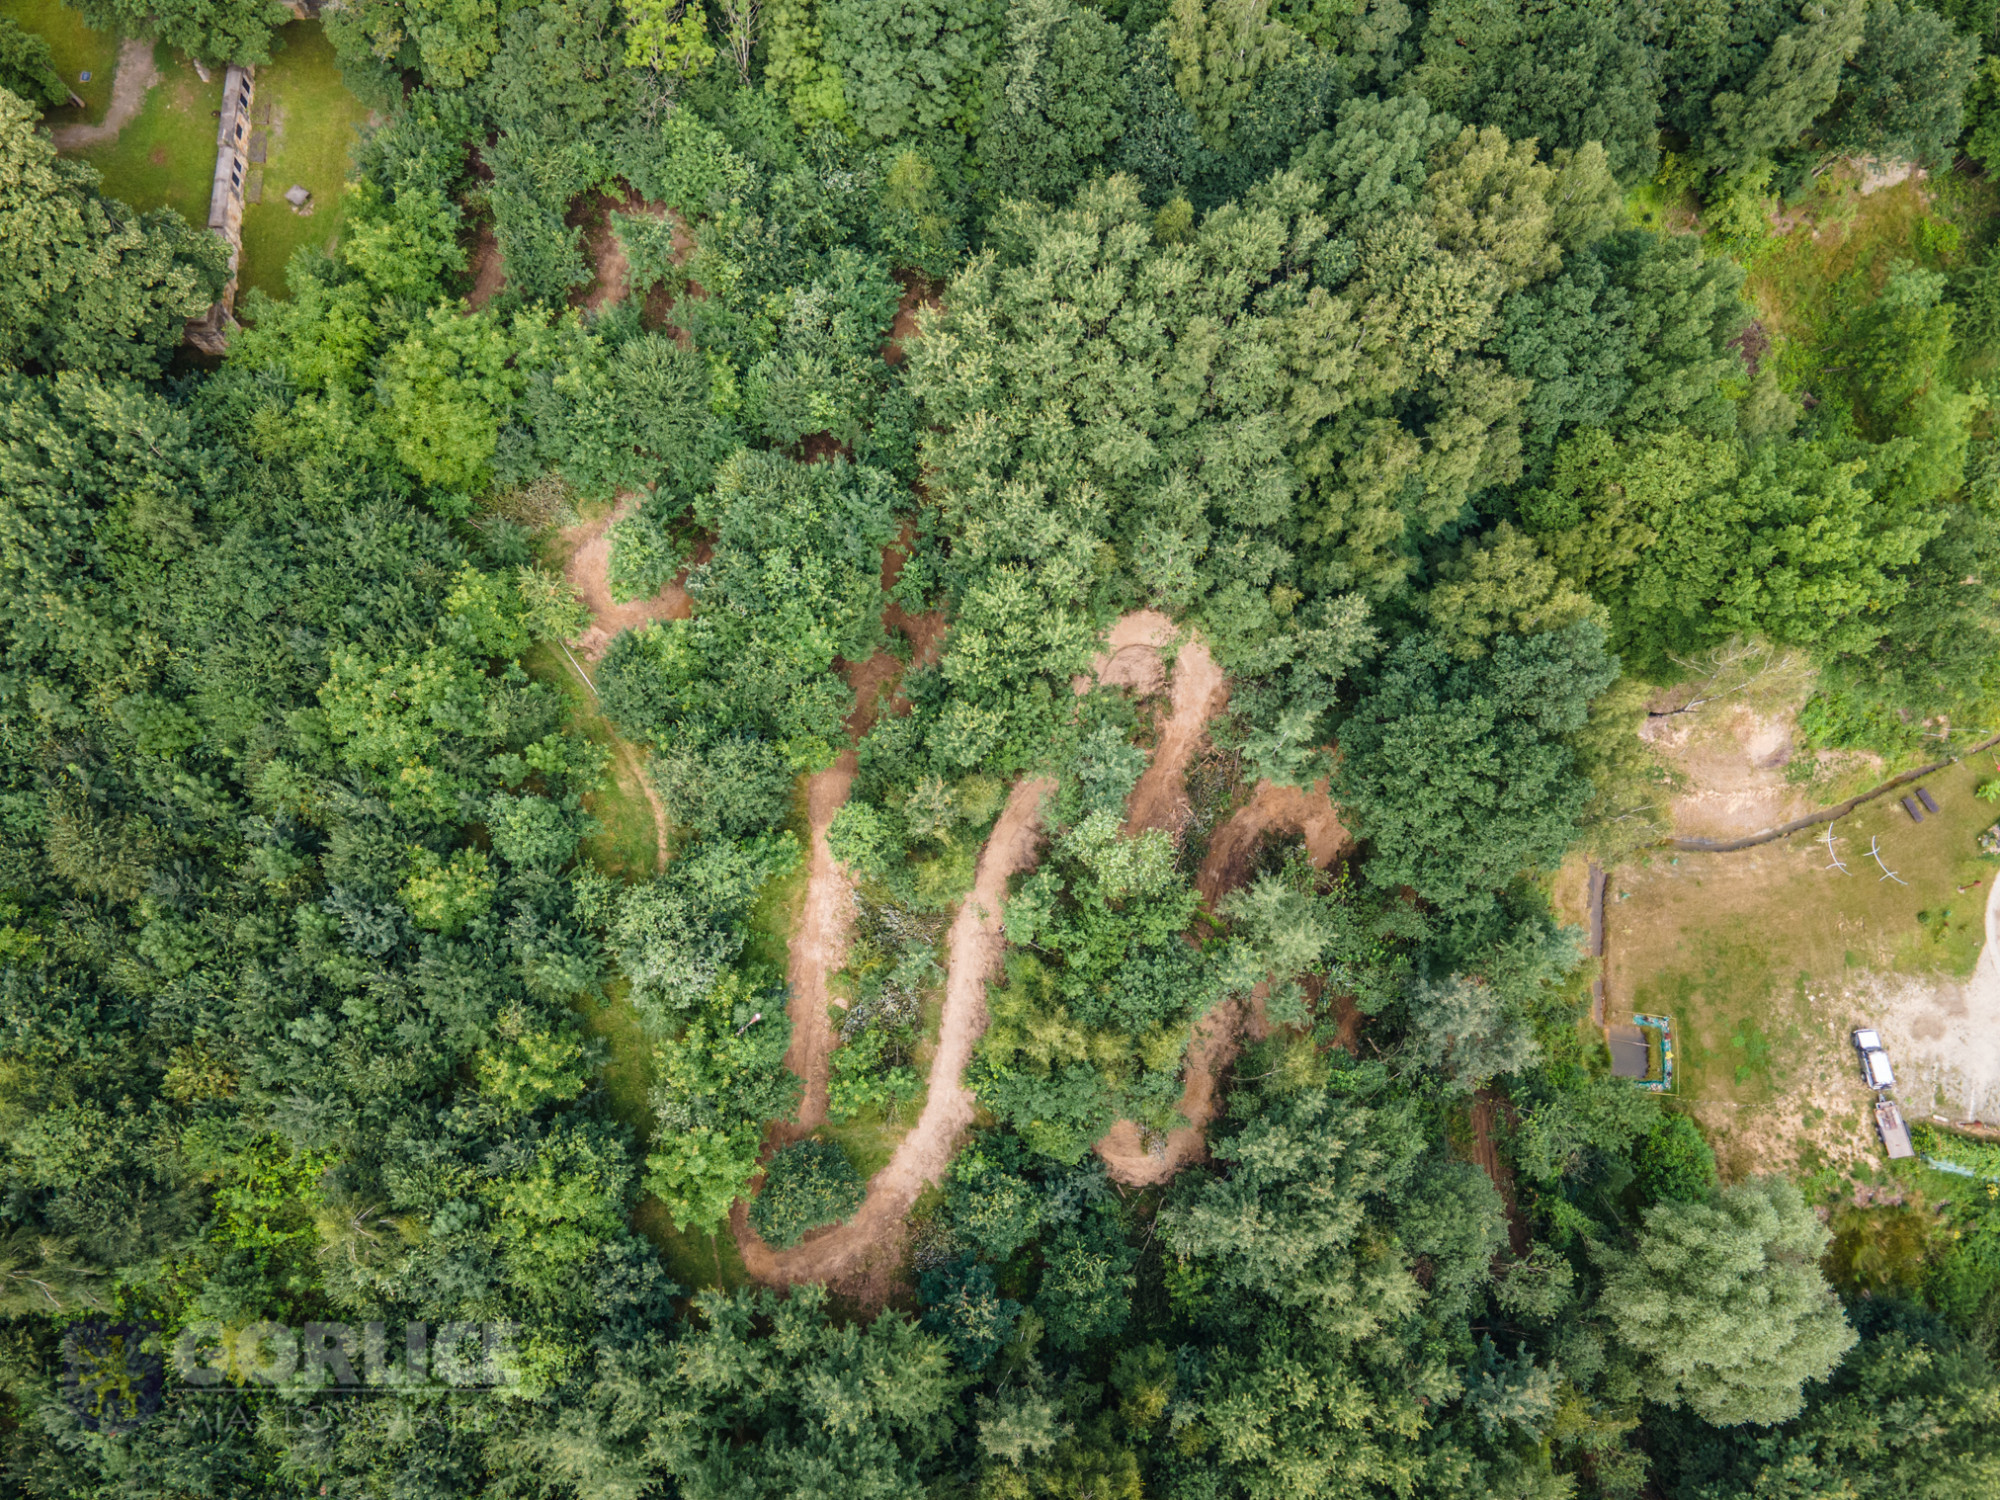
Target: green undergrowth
{"type": "Point", "coordinates": [78, 48]}
{"type": "Point", "coordinates": [624, 844]}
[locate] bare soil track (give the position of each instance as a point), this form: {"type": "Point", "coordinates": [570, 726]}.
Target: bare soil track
{"type": "Point", "coordinates": [588, 548]}
{"type": "Point", "coordinates": [135, 75]}
{"type": "Point", "coordinates": [1160, 800]}
{"type": "Point", "coordinates": [874, 1236]}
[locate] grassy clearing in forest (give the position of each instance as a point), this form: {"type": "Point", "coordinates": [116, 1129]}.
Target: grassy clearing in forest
{"type": "Point", "coordinates": [78, 49]}
{"type": "Point", "coordinates": [1764, 959]}
{"type": "Point", "coordinates": [1841, 246]}
{"type": "Point", "coordinates": [626, 843]}
{"type": "Point", "coordinates": [311, 123]}
{"type": "Point", "coordinates": [869, 1140]}
{"type": "Point", "coordinates": [166, 156]}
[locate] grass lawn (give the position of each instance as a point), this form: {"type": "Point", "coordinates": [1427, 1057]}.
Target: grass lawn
{"type": "Point", "coordinates": [167, 155]}
{"type": "Point", "coordinates": [78, 50]}
{"type": "Point", "coordinates": [624, 845]}
{"type": "Point", "coordinates": [311, 122]}
{"type": "Point", "coordinates": [1766, 958]}
{"type": "Point", "coordinates": [868, 1140]}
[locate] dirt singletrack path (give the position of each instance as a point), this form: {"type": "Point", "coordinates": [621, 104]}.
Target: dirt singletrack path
{"type": "Point", "coordinates": [1219, 1035]}
{"type": "Point", "coordinates": [874, 1236]}
{"type": "Point", "coordinates": [818, 947]}
{"type": "Point", "coordinates": [1230, 851]}
{"type": "Point", "coordinates": [135, 75]}
{"type": "Point", "coordinates": [588, 571]}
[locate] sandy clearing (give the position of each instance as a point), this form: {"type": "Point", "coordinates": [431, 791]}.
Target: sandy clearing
{"type": "Point", "coordinates": [135, 76]}
{"type": "Point", "coordinates": [1944, 1038]}
{"type": "Point", "coordinates": [588, 548]}
{"type": "Point", "coordinates": [977, 940]}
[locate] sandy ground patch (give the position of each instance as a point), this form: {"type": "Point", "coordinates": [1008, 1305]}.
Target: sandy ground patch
{"type": "Point", "coordinates": [1944, 1037]}
{"type": "Point", "coordinates": [136, 74]}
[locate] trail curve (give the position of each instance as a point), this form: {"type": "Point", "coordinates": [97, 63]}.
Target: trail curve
{"type": "Point", "coordinates": [873, 1236]}
{"type": "Point", "coordinates": [1219, 1035]}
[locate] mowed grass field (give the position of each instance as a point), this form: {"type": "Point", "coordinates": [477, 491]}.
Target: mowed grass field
{"type": "Point", "coordinates": [165, 158]}
{"type": "Point", "coordinates": [311, 123]}
{"type": "Point", "coordinates": [78, 49]}
{"type": "Point", "coordinates": [1766, 958]}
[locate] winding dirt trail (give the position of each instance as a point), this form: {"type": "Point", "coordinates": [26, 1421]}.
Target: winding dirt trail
{"type": "Point", "coordinates": [873, 1238]}
{"type": "Point", "coordinates": [1219, 1035]}
{"type": "Point", "coordinates": [588, 571]}
{"type": "Point", "coordinates": [136, 74]}
{"type": "Point", "coordinates": [818, 949]}
{"type": "Point", "coordinates": [1270, 807]}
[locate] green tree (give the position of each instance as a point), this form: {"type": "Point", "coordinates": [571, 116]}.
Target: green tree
{"type": "Point", "coordinates": [1724, 1304]}
{"type": "Point", "coordinates": [1674, 1163]}
{"type": "Point", "coordinates": [805, 1186]}
{"type": "Point", "coordinates": [1219, 48]}
{"type": "Point", "coordinates": [1457, 773]}
{"type": "Point", "coordinates": [1693, 539]}
{"type": "Point", "coordinates": [227, 31]}
{"type": "Point", "coordinates": [768, 1394]}
{"type": "Point", "coordinates": [1288, 1225]}
{"type": "Point", "coordinates": [28, 68]}
{"type": "Point", "coordinates": [444, 390]}
{"type": "Point", "coordinates": [1747, 78]}
{"type": "Point", "coordinates": [1055, 101]}
{"type": "Point", "coordinates": [86, 283]}
{"type": "Point", "coordinates": [1902, 94]}
{"type": "Point", "coordinates": [1501, 584]}
{"type": "Point", "coordinates": [912, 66]}
{"type": "Point", "coordinates": [1564, 75]}
{"type": "Point", "coordinates": [1910, 1411]}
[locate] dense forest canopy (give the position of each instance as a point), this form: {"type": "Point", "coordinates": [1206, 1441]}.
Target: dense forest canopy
{"type": "Point", "coordinates": [1395, 356]}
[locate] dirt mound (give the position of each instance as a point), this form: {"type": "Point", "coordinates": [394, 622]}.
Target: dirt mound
{"type": "Point", "coordinates": [1270, 808]}
{"type": "Point", "coordinates": [874, 1236]}
{"type": "Point", "coordinates": [588, 548]}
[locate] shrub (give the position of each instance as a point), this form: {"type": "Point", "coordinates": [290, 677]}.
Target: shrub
{"type": "Point", "coordinates": [805, 1186]}
{"type": "Point", "coordinates": [1675, 1165]}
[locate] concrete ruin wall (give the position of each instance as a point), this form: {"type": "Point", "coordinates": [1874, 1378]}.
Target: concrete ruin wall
{"type": "Point", "coordinates": [209, 333]}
